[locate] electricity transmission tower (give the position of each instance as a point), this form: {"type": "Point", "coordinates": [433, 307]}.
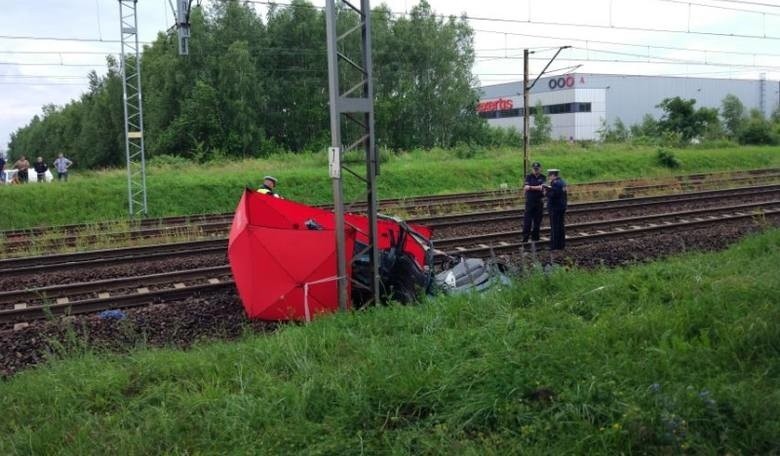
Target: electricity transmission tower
{"type": "Point", "coordinates": [352, 100]}
{"type": "Point", "coordinates": [133, 108]}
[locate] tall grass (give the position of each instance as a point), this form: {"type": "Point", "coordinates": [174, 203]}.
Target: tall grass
{"type": "Point", "coordinates": [672, 357]}
{"type": "Point", "coordinates": [179, 188]}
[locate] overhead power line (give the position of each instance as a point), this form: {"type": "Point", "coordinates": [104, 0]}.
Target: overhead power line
{"type": "Point", "coordinates": [61, 38]}
{"type": "Point", "coordinates": [746, 2]}
{"type": "Point", "coordinates": [727, 8]}
{"type": "Point", "coordinates": [88, 65]}
{"type": "Point", "coordinates": [561, 24]}
{"type": "Point", "coordinates": [648, 62]}
{"type": "Point", "coordinates": [616, 43]}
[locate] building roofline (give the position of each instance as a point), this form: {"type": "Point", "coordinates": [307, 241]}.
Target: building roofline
{"type": "Point", "coordinates": [631, 76]}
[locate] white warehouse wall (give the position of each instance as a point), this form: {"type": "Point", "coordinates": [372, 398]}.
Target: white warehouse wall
{"type": "Point", "coordinates": [626, 97]}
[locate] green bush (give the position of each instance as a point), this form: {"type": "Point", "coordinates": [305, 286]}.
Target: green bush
{"type": "Point", "coordinates": [757, 130]}
{"type": "Point", "coordinates": [666, 158]}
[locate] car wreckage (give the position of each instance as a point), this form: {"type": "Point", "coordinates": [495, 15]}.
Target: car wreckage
{"type": "Point", "coordinates": [283, 258]}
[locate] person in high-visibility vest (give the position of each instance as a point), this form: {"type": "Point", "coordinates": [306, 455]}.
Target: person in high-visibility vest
{"type": "Point", "coordinates": [268, 187]}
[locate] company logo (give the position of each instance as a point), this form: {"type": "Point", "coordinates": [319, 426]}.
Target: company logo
{"type": "Point", "coordinates": [502, 104]}
{"type": "Point", "coordinates": [562, 82]}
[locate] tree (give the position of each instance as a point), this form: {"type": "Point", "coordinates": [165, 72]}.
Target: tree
{"type": "Point", "coordinates": [252, 85]}
{"type": "Point", "coordinates": [647, 129]}
{"type": "Point", "coordinates": [542, 127]}
{"type": "Point", "coordinates": [776, 115]}
{"type": "Point", "coordinates": [733, 113]}
{"type": "Point", "coordinates": [757, 130]}
{"type": "Point", "coordinates": [424, 87]}
{"type": "Point", "coordinates": [681, 118]}
{"type": "Point", "coordinates": [615, 133]}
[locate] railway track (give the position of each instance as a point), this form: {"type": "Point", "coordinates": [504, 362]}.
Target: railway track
{"type": "Point", "coordinates": [217, 246]}
{"type": "Point", "coordinates": [21, 306]}
{"type": "Point", "coordinates": [215, 224]}
{"type": "Point", "coordinates": [219, 226]}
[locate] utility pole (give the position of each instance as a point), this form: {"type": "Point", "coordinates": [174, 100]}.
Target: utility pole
{"type": "Point", "coordinates": [356, 105]}
{"type": "Point", "coordinates": [182, 15]}
{"type": "Point", "coordinates": [526, 91]}
{"type": "Point", "coordinates": [133, 108]}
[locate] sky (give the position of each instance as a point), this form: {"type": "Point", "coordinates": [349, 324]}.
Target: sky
{"type": "Point", "coordinates": [735, 38]}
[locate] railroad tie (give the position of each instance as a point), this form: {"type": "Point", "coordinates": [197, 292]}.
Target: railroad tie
{"type": "Point", "coordinates": [460, 249]}
{"type": "Point", "coordinates": [484, 246]}
{"type": "Point", "coordinates": [142, 290]}
{"type": "Point", "coordinates": [583, 234]}
{"type": "Point", "coordinates": [601, 232]}
{"type": "Point", "coordinates": [20, 326]}
{"type": "Point", "coordinates": [503, 243]}
{"type": "Point", "coordinates": [213, 280]}
{"type": "Point", "coordinates": [21, 305]}
{"type": "Point", "coordinates": [63, 300]}
{"type": "Point", "coordinates": [179, 285]}
{"type": "Point", "coordinates": [636, 227]}
{"type": "Point", "coordinates": [699, 219]}
{"type": "Point", "coordinates": [619, 229]}
{"type": "Point", "coordinates": [104, 295]}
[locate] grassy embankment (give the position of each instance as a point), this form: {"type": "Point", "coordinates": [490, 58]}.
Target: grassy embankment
{"type": "Point", "coordinates": [195, 189]}
{"type": "Point", "coordinates": [677, 356]}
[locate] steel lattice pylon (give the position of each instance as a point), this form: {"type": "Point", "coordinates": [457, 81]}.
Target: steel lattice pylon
{"type": "Point", "coordinates": [133, 104]}
{"type": "Point", "coordinates": [356, 105]}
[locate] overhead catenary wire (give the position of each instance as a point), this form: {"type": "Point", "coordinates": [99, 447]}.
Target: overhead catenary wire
{"type": "Point", "coordinates": [610, 26]}
{"type": "Point", "coordinates": [726, 8]}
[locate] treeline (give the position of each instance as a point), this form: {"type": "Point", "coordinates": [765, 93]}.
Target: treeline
{"type": "Point", "coordinates": [252, 86]}
{"type": "Point", "coordinates": [683, 123]}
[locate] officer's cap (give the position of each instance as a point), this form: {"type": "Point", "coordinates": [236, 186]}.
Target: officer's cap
{"type": "Point", "coordinates": [536, 165]}
{"type": "Point", "coordinates": [270, 178]}
{"type": "Point", "coordinates": [553, 171]}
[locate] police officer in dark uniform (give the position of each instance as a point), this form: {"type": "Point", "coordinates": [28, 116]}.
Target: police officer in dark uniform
{"type": "Point", "coordinates": [534, 202]}
{"type": "Point", "coordinates": [556, 206]}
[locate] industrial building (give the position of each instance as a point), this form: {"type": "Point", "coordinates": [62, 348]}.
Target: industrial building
{"type": "Point", "coordinates": [579, 103]}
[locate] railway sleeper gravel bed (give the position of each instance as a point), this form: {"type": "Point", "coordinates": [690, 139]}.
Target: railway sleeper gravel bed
{"type": "Point", "coordinates": [453, 224]}
{"type": "Point", "coordinates": [90, 273]}
{"type": "Point", "coordinates": [156, 259]}
{"type": "Point", "coordinates": [172, 288]}
{"type": "Point", "coordinates": [497, 221]}
{"type": "Point", "coordinates": [434, 204]}
{"type": "Point", "coordinates": [38, 264]}
{"type": "Point", "coordinates": [219, 315]}
{"type": "Point", "coordinates": [585, 231]}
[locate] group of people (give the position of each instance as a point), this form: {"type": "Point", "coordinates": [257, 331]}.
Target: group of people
{"type": "Point", "coordinates": [22, 166]}
{"type": "Point", "coordinates": [536, 188]}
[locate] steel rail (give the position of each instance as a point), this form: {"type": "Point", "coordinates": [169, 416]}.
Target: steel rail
{"type": "Point", "coordinates": [605, 224]}
{"type": "Point", "coordinates": [451, 220]}
{"type": "Point", "coordinates": [478, 197]}
{"type": "Point", "coordinates": [171, 294]}
{"type": "Point", "coordinates": [506, 247]}
{"type": "Point", "coordinates": [104, 257]}
{"type": "Point", "coordinates": [54, 292]}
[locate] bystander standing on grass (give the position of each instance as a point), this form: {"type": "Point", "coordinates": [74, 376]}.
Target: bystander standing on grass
{"type": "Point", "coordinates": [2, 169]}
{"type": "Point", "coordinates": [61, 164]}
{"type": "Point", "coordinates": [40, 169]}
{"type": "Point", "coordinates": [22, 166]}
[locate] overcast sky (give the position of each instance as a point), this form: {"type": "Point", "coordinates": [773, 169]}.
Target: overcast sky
{"type": "Point", "coordinates": [37, 72]}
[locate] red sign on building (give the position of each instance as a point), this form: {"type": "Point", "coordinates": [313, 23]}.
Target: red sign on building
{"type": "Point", "coordinates": [502, 104]}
